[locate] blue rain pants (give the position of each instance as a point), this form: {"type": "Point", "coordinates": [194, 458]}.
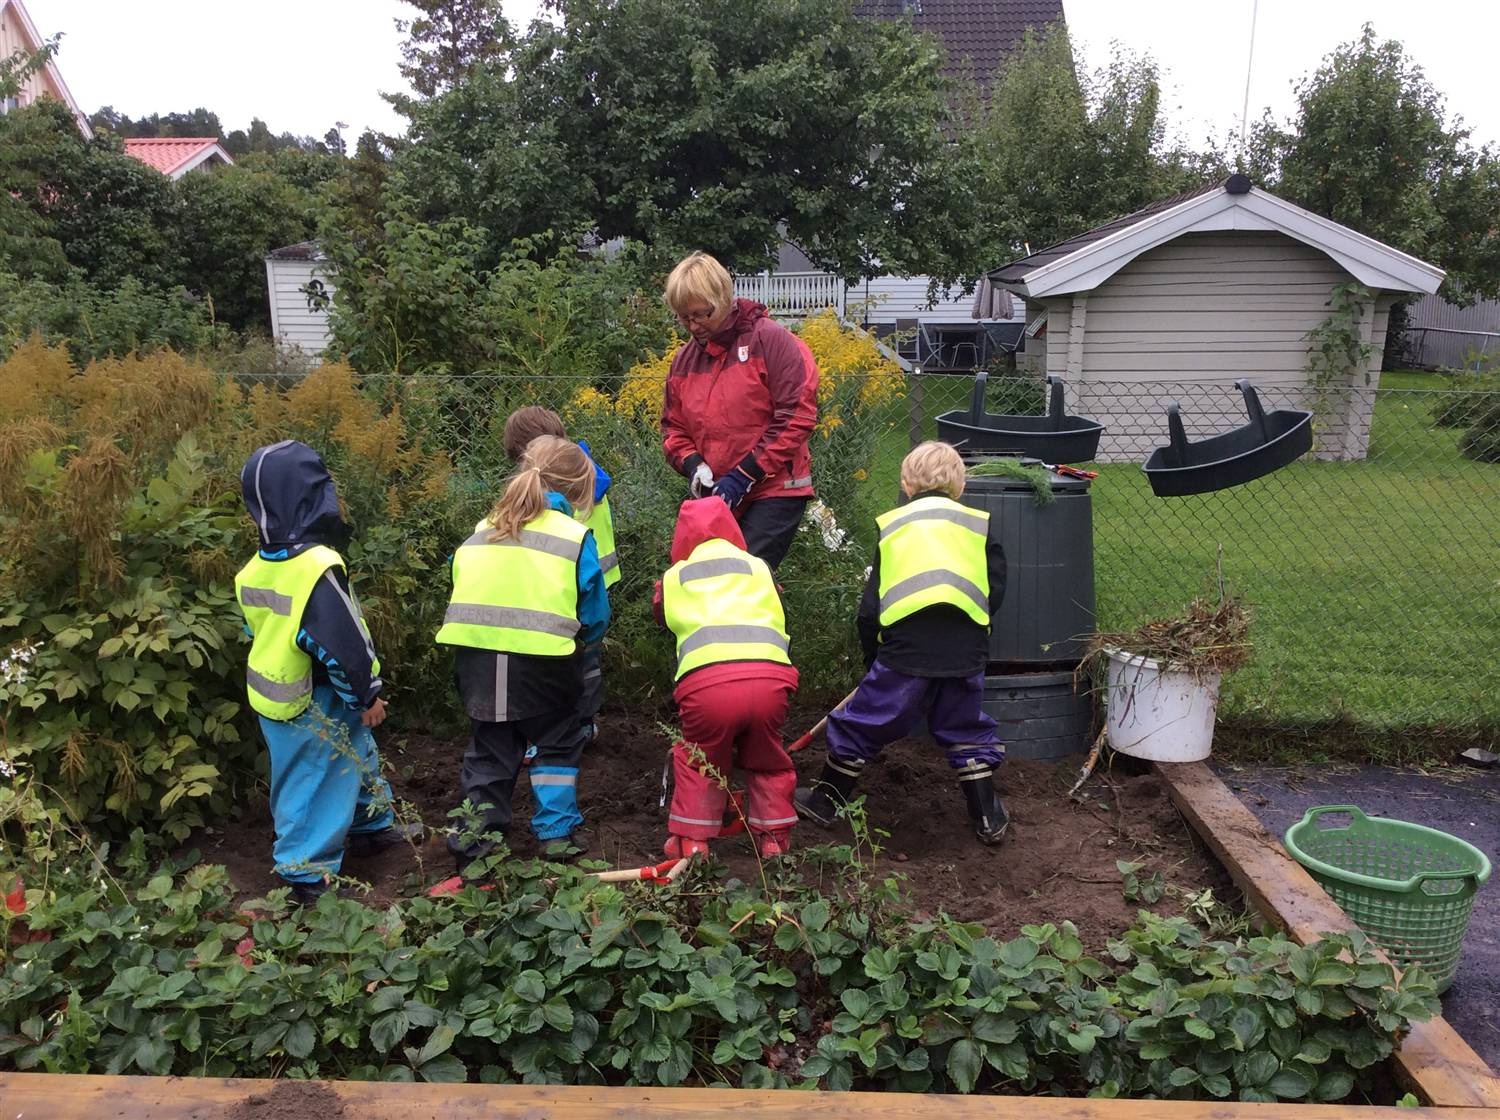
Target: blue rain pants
{"type": "Point", "coordinates": [325, 784]}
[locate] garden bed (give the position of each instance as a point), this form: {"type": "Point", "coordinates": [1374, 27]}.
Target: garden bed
{"type": "Point", "coordinates": [1058, 863]}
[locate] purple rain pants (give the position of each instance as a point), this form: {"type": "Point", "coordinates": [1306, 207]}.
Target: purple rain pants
{"type": "Point", "coordinates": [887, 703]}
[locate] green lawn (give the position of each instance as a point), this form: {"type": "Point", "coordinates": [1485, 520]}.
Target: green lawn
{"type": "Point", "coordinates": [1375, 585]}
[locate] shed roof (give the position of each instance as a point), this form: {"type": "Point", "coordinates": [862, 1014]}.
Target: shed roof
{"type": "Point", "coordinates": [301, 251]}
{"type": "Point", "coordinates": [1082, 263]}
{"type": "Point", "coordinates": [977, 35]}
{"type": "Point", "coordinates": [175, 156]}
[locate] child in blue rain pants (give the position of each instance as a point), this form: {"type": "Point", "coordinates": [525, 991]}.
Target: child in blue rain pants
{"type": "Point", "coordinates": [312, 677]}
{"type": "Point", "coordinates": [528, 597]}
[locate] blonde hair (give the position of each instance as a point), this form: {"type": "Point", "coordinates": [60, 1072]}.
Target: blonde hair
{"type": "Point", "coordinates": [549, 463]}
{"type": "Point", "coordinates": [933, 466]}
{"type": "Point", "coordinates": [525, 424]}
{"type": "Point", "coordinates": [698, 278]}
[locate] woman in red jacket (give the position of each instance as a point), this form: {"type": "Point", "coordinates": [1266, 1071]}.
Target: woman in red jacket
{"type": "Point", "coordinates": [741, 403]}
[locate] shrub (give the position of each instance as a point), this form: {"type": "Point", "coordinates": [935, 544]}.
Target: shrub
{"type": "Point", "coordinates": [1482, 439]}
{"type": "Point", "coordinates": [97, 322]}
{"type": "Point", "coordinates": [119, 500]}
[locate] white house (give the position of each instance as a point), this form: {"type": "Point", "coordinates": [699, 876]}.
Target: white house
{"type": "Point", "coordinates": [18, 35]}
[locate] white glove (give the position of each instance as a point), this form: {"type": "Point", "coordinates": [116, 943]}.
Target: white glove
{"type": "Point", "coordinates": [702, 482]}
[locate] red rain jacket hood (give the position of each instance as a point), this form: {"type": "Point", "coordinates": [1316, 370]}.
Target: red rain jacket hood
{"type": "Point", "coordinates": [703, 519]}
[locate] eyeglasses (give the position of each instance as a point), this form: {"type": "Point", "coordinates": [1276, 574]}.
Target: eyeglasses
{"type": "Point", "coordinates": [698, 317]}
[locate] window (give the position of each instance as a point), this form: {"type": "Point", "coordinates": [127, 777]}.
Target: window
{"type": "Point", "coordinates": [9, 103]}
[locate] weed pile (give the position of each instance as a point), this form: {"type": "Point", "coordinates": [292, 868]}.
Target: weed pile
{"type": "Point", "coordinates": [1207, 638]}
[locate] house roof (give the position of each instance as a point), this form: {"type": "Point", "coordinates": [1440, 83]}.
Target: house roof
{"type": "Point", "coordinates": [1086, 261]}
{"type": "Point", "coordinates": [54, 75]}
{"type": "Point", "coordinates": [977, 35]}
{"type": "Point", "coordinates": [175, 156]}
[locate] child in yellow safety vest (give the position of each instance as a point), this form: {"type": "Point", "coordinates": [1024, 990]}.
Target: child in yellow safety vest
{"type": "Point", "coordinates": [528, 598]}
{"type": "Point", "coordinates": [734, 681]}
{"type": "Point", "coordinates": [521, 427]}
{"type": "Point", "coordinates": [937, 579]}
{"type": "Point", "coordinates": [313, 677]}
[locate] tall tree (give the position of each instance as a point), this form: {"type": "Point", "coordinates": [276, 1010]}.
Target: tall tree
{"type": "Point", "coordinates": [1371, 147]}
{"type": "Point", "coordinates": [448, 40]}
{"type": "Point", "coordinates": [114, 217]}
{"type": "Point", "coordinates": [1065, 151]}
{"type": "Point", "coordinates": [714, 124]}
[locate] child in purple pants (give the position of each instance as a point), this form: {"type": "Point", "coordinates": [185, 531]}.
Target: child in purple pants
{"type": "Point", "coordinates": [924, 623]}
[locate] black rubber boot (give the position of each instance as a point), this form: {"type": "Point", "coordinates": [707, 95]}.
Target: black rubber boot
{"type": "Point", "coordinates": [307, 894]}
{"type": "Point", "coordinates": [986, 811]}
{"type": "Point", "coordinates": [821, 801]}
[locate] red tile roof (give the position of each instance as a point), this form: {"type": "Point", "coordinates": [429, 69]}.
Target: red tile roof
{"type": "Point", "coordinates": [167, 154]}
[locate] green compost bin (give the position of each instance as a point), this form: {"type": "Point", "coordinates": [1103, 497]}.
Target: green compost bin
{"type": "Point", "coordinates": [1410, 888]}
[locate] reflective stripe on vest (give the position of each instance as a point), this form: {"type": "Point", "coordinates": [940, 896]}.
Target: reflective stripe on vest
{"type": "Point", "coordinates": [602, 522]}
{"type": "Point", "coordinates": [517, 594]}
{"type": "Point", "coordinates": [716, 583]}
{"type": "Point", "coordinates": [932, 551]}
{"type": "Point", "coordinates": [273, 595]}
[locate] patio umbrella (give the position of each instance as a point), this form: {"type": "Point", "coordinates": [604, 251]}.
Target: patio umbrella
{"type": "Point", "coordinates": [991, 302]}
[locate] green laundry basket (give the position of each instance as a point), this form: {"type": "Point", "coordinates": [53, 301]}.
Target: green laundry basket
{"type": "Point", "coordinates": [1408, 887]}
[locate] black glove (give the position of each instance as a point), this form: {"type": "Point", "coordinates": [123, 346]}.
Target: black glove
{"type": "Point", "coordinates": [733, 487]}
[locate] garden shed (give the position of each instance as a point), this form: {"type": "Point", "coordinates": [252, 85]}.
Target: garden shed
{"type": "Point", "coordinates": [300, 284]}
{"type": "Point", "coordinates": [1180, 299]}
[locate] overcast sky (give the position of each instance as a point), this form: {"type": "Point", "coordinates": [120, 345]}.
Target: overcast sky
{"type": "Point", "coordinates": [301, 65]}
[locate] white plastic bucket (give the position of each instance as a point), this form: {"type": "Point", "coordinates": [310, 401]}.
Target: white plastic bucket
{"type": "Point", "coordinates": [1163, 716]}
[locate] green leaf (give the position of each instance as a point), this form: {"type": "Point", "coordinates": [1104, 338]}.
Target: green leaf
{"type": "Point", "coordinates": [1198, 1028]}
{"type": "Point", "coordinates": [530, 985]}
{"type": "Point", "coordinates": [1314, 1051]}
{"type": "Point", "coordinates": [1331, 973]}
{"type": "Point", "coordinates": [856, 1002]}
{"type": "Point", "coordinates": [1182, 1076]}
{"type": "Point", "coordinates": [446, 1068]}
{"type": "Point", "coordinates": [300, 1039]}
{"type": "Point", "coordinates": [1290, 1085]}
{"type": "Point", "coordinates": [964, 1062]}
{"type": "Point", "coordinates": [1216, 1084]}
{"type": "Point", "coordinates": [438, 1042]}
{"type": "Point", "coordinates": [1334, 1086]}
{"type": "Point", "coordinates": [1019, 953]}
{"type": "Point", "coordinates": [1246, 1027]}
{"type": "Point", "coordinates": [815, 915]}
{"type": "Point", "coordinates": [1257, 1069]}
{"type": "Point", "coordinates": [558, 1014]}
{"type": "Point", "coordinates": [1309, 1001]}
{"type": "Point", "coordinates": [388, 1030]}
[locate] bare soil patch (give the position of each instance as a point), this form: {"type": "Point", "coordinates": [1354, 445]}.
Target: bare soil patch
{"type": "Point", "coordinates": [1057, 862]}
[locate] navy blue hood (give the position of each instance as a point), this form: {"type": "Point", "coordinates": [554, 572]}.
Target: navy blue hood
{"type": "Point", "coordinates": [290, 496]}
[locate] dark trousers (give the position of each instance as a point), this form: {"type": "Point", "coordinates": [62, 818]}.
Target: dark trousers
{"type": "Point", "coordinates": [769, 525]}
{"type": "Point", "coordinates": [492, 761]}
{"type": "Point", "coordinates": [593, 681]}
{"type": "Point", "coordinates": [888, 703]}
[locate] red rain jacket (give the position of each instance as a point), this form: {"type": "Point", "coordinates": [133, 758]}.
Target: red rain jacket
{"type": "Point", "coordinates": [746, 398]}
{"type": "Point", "coordinates": [699, 520]}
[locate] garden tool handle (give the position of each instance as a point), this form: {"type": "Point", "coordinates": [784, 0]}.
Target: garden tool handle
{"type": "Point", "coordinates": [817, 728]}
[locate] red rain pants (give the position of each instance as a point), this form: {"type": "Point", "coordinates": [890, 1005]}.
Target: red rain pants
{"type": "Point", "coordinates": [737, 725]}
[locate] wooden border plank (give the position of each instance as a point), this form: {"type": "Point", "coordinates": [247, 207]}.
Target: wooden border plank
{"type": "Point", "coordinates": [1434, 1061]}
{"type": "Point", "coordinates": [35, 1096]}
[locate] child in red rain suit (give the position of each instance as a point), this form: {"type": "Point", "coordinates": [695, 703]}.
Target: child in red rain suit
{"type": "Point", "coordinates": [734, 681]}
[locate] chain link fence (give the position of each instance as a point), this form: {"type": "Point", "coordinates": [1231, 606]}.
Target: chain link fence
{"type": "Point", "coordinates": [1371, 565]}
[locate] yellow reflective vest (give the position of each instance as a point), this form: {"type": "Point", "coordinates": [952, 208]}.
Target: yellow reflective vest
{"type": "Point", "coordinates": [721, 604]}
{"type": "Point", "coordinates": [273, 595]}
{"type": "Point", "coordinates": [932, 550]}
{"type": "Point", "coordinates": [517, 595]}
{"type": "Point", "coordinates": [602, 522]}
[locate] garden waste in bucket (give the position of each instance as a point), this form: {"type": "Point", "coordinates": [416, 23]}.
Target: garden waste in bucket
{"type": "Point", "coordinates": [1410, 888]}
{"type": "Point", "coordinates": [1163, 715]}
